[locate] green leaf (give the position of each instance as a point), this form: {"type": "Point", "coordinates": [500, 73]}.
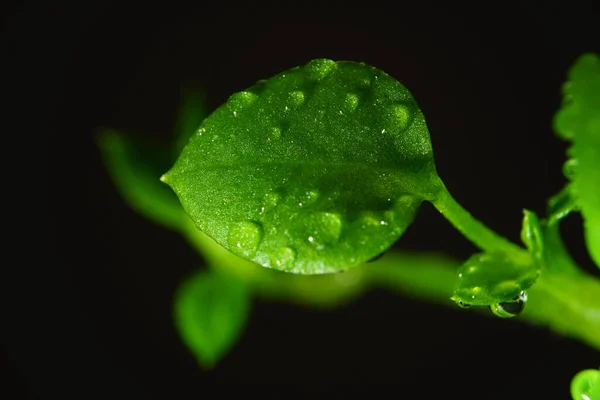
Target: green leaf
{"type": "Point", "coordinates": [586, 385]}
{"type": "Point", "coordinates": [134, 170]}
{"type": "Point", "coordinates": [531, 235]}
{"type": "Point", "coordinates": [561, 205]}
{"type": "Point", "coordinates": [486, 279]}
{"type": "Point", "coordinates": [578, 121]}
{"type": "Point", "coordinates": [556, 258]}
{"type": "Point", "coordinates": [315, 170]}
{"type": "Point", "coordinates": [210, 312]}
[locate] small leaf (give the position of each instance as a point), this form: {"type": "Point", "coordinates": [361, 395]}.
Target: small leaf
{"type": "Point", "coordinates": [210, 312]}
{"type": "Point", "coordinates": [586, 385]}
{"type": "Point", "coordinates": [489, 278]}
{"type": "Point", "coordinates": [578, 121]}
{"type": "Point", "coordinates": [531, 235]}
{"type": "Point", "coordinates": [134, 171]}
{"type": "Point", "coordinates": [315, 170]}
{"type": "Point", "coordinates": [562, 204]}
{"type": "Point", "coordinates": [510, 309]}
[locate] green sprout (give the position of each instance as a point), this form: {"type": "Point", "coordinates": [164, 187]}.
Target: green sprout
{"type": "Point", "coordinates": [297, 188]}
{"type": "Point", "coordinates": [316, 170]}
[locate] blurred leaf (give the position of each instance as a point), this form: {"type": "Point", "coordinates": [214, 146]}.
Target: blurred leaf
{"type": "Point", "coordinates": [210, 312]}
{"type": "Point", "coordinates": [425, 276]}
{"type": "Point", "coordinates": [567, 303]}
{"type": "Point", "coordinates": [578, 121]}
{"type": "Point", "coordinates": [133, 169]}
{"type": "Point", "coordinates": [322, 291]}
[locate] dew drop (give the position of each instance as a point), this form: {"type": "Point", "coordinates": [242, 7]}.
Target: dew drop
{"type": "Point", "coordinates": [283, 258]}
{"type": "Point", "coordinates": [330, 226]}
{"type": "Point", "coordinates": [369, 222]}
{"type": "Point", "coordinates": [364, 82]}
{"type": "Point", "coordinates": [402, 116]}
{"type": "Point", "coordinates": [275, 133]}
{"type": "Point", "coordinates": [351, 101]}
{"type": "Point", "coordinates": [241, 100]}
{"type": "Point", "coordinates": [309, 197]}
{"type": "Point", "coordinates": [271, 199]}
{"type": "Point", "coordinates": [297, 98]}
{"type": "Point", "coordinates": [510, 309]}
{"type": "Point", "coordinates": [366, 227]}
{"type": "Point", "coordinates": [321, 228]}
{"type": "Point", "coordinates": [244, 238]}
{"type": "Point", "coordinates": [462, 304]}
{"type": "Point", "coordinates": [319, 69]}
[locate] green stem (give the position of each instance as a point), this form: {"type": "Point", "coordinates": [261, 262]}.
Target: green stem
{"type": "Point", "coordinates": [568, 304]}
{"type": "Point", "coordinates": [483, 237]}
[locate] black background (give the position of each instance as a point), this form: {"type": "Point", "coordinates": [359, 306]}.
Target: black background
{"type": "Point", "coordinates": [96, 321]}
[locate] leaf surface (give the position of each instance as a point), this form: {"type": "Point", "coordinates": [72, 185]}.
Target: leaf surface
{"type": "Point", "coordinates": [315, 170]}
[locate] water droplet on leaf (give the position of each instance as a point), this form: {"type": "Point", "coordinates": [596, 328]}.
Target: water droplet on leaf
{"type": "Point", "coordinates": [322, 228]}
{"type": "Point", "coordinates": [241, 100]}
{"type": "Point", "coordinates": [297, 98]}
{"type": "Point", "coordinates": [309, 197]}
{"type": "Point", "coordinates": [402, 116]}
{"type": "Point", "coordinates": [510, 309]}
{"type": "Point", "coordinates": [319, 69]}
{"type": "Point", "coordinates": [283, 257]}
{"type": "Point", "coordinates": [275, 133]}
{"type": "Point", "coordinates": [351, 102]}
{"type": "Point", "coordinates": [271, 199]}
{"type": "Point", "coordinates": [244, 238]}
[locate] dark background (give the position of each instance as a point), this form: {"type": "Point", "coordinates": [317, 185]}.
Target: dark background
{"type": "Point", "coordinates": [96, 321]}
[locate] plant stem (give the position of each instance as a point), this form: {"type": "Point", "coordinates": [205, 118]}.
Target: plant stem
{"type": "Point", "coordinates": [482, 236]}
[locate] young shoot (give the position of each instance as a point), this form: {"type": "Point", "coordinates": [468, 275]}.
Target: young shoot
{"type": "Point", "coordinates": [320, 169]}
